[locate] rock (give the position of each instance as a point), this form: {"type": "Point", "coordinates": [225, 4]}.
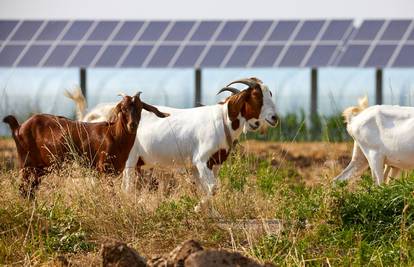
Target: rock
{"type": "Point", "coordinates": [118, 254]}
{"type": "Point", "coordinates": [219, 258]}
{"type": "Point", "coordinates": [176, 257]}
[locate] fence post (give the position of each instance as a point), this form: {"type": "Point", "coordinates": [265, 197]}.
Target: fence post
{"type": "Point", "coordinates": [197, 88]}
{"type": "Point", "coordinates": [314, 93]}
{"type": "Point", "coordinates": [82, 77]}
{"type": "Point", "coordinates": [378, 87]}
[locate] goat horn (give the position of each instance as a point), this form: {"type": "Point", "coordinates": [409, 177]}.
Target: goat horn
{"type": "Point", "coordinates": [248, 82]}
{"type": "Point", "coordinates": [122, 94]}
{"type": "Point", "coordinates": [230, 89]}
{"type": "Point", "coordinates": [138, 94]}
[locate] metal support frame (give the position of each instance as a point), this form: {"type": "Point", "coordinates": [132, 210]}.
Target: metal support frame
{"type": "Point", "coordinates": [314, 92]}
{"type": "Point", "coordinates": [378, 87]}
{"type": "Point", "coordinates": [82, 82]}
{"type": "Point", "coordinates": [197, 88]}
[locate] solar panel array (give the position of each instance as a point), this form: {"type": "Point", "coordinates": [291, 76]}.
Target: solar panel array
{"type": "Point", "coordinates": [215, 44]}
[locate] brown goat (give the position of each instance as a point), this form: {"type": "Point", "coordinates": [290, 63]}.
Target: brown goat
{"type": "Point", "coordinates": [44, 139]}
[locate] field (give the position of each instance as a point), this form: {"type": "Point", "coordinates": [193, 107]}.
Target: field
{"type": "Point", "coordinates": [262, 183]}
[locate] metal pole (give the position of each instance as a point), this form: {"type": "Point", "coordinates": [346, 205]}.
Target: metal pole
{"type": "Point", "coordinates": [82, 77]}
{"type": "Point", "coordinates": [314, 92]}
{"type": "Point", "coordinates": [197, 88]}
{"type": "Point", "coordinates": [378, 87]}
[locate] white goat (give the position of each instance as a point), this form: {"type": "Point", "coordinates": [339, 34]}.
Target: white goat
{"type": "Point", "coordinates": [383, 135]}
{"type": "Point", "coordinates": [201, 136]}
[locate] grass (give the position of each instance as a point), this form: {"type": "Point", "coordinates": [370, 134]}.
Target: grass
{"type": "Point", "coordinates": [298, 127]}
{"type": "Point", "coordinates": [76, 211]}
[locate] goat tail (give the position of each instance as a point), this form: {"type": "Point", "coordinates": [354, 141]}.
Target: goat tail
{"type": "Point", "coordinates": [12, 122]}
{"type": "Point", "coordinates": [351, 112]}
{"type": "Point", "coordinates": [79, 100]}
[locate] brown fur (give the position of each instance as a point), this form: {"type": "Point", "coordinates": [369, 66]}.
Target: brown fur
{"type": "Point", "coordinates": [217, 158]}
{"type": "Point", "coordinates": [44, 139]}
{"type": "Point", "coordinates": [248, 103]}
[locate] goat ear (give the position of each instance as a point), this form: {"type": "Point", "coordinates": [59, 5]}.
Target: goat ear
{"type": "Point", "coordinates": [236, 103]}
{"type": "Point", "coordinates": [154, 110]}
{"type": "Point", "coordinates": [114, 113]}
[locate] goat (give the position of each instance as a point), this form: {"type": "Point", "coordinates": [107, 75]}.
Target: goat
{"type": "Point", "coordinates": [382, 137]}
{"type": "Point", "coordinates": [103, 111]}
{"type": "Point", "coordinates": [44, 139]}
{"type": "Point", "coordinates": [201, 136]}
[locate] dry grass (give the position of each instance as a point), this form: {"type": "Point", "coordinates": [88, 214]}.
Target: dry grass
{"type": "Point", "coordinates": [76, 210]}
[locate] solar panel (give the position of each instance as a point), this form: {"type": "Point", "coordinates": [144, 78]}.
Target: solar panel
{"type": "Point", "coordinates": [353, 55]}
{"type": "Point", "coordinates": [9, 54]}
{"type": "Point", "coordinates": [33, 55]}
{"type": "Point", "coordinates": [283, 30]}
{"type": "Point", "coordinates": [137, 56]}
{"type": "Point", "coordinates": [380, 55]}
{"type": "Point", "coordinates": [85, 55]}
{"type": "Point", "coordinates": [411, 36]}
{"type": "Point", "coordinates": [231, 30]}
{"type": "Point", "coordinates": [242, 43]}
{"type": "Point", "coordinates": [111, 55]}
{"type": "Point", "coordinates": [6, 27]}
{"type": "Point", "coordinates": [336, 30]}
{"type": "Point", "coordinates": [163, 56]}
{"type": "Point", "coordinates": [59, 55]}
{"type": "Point", "coordinates": [26, 30]}
{"type": "Point", "coordinates": [205, 30]}
{"type": "Point", "coordinates": [241, 56]}
{"type": "Point", "coordinates": [257, 30]}
{"type": "Point", "coordinates": [179, 31]}
{"type": "Point", "coordinates": [267, 56]}
{"type": "Point", "coordinates": [52, 30]}
{"type": "Point", "coordinates": [369, 30]}
{"type": "Point", "coordinates": [154, 31]}
{"type": "Point", "coordinates": [321, 55]}
{"type": "Point", "coordinates": [128, 30]}
{"type": "Point", "coordinates": [189, 56]}
{"type": "Point", "coordinates": [395, 30]}
{"type": "Point", "coordinates": [309, 30]}
{"type": "Point", "coordinates": [215, 55]}
{"type": "Point", "coordinates": [294, 55]}
{"type": "Point", "coordinates": [77, 30]}
{"type": "Point", "coordinates": [405, 57]}
{"type": "Point", "coordinates": [103, 30]}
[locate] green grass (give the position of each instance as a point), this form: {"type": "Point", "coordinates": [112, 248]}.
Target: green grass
{"type": "Point", "coordinates": [299, 128]}
{"type": "Point", "coordinates": [344, 225]}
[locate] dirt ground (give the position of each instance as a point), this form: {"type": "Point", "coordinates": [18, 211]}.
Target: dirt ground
{"type": "Point", "coordinates": [312, 160]}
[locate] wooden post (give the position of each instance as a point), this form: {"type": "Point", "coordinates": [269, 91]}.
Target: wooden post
{"type": "Point", "coordinates": [378, 87]}
{"type": "Point", "coordinates": [197, 88]}
{"type": "Point", "coordinates": [314, 92]}
{"type": "Point", "coordinates": [82, 77]}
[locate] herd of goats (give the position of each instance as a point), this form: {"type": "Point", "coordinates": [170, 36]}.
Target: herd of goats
{"type": "Point", "coordinates": [131, 134]}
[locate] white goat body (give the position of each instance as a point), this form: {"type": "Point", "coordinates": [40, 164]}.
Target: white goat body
{"type": "Point", "coordinates": [197, 135]}
{"type": "Point", "coordinates": [383, 135]}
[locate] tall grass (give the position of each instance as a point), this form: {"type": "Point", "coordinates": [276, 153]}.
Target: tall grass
{"type": "Point", "coordinates": [299, 127]}
{"type": "Point", "coordinates": [76, 211]}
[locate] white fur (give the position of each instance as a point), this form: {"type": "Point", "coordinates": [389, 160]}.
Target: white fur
{"type": "Point", "coordinates": [383, 135]}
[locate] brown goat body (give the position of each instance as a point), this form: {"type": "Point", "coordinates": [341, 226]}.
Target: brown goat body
{"type": "Point", "coordinates": [45, 139]}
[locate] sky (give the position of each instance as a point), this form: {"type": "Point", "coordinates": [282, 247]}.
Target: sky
{"type": "Point", "coordinates": [205, 9]}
